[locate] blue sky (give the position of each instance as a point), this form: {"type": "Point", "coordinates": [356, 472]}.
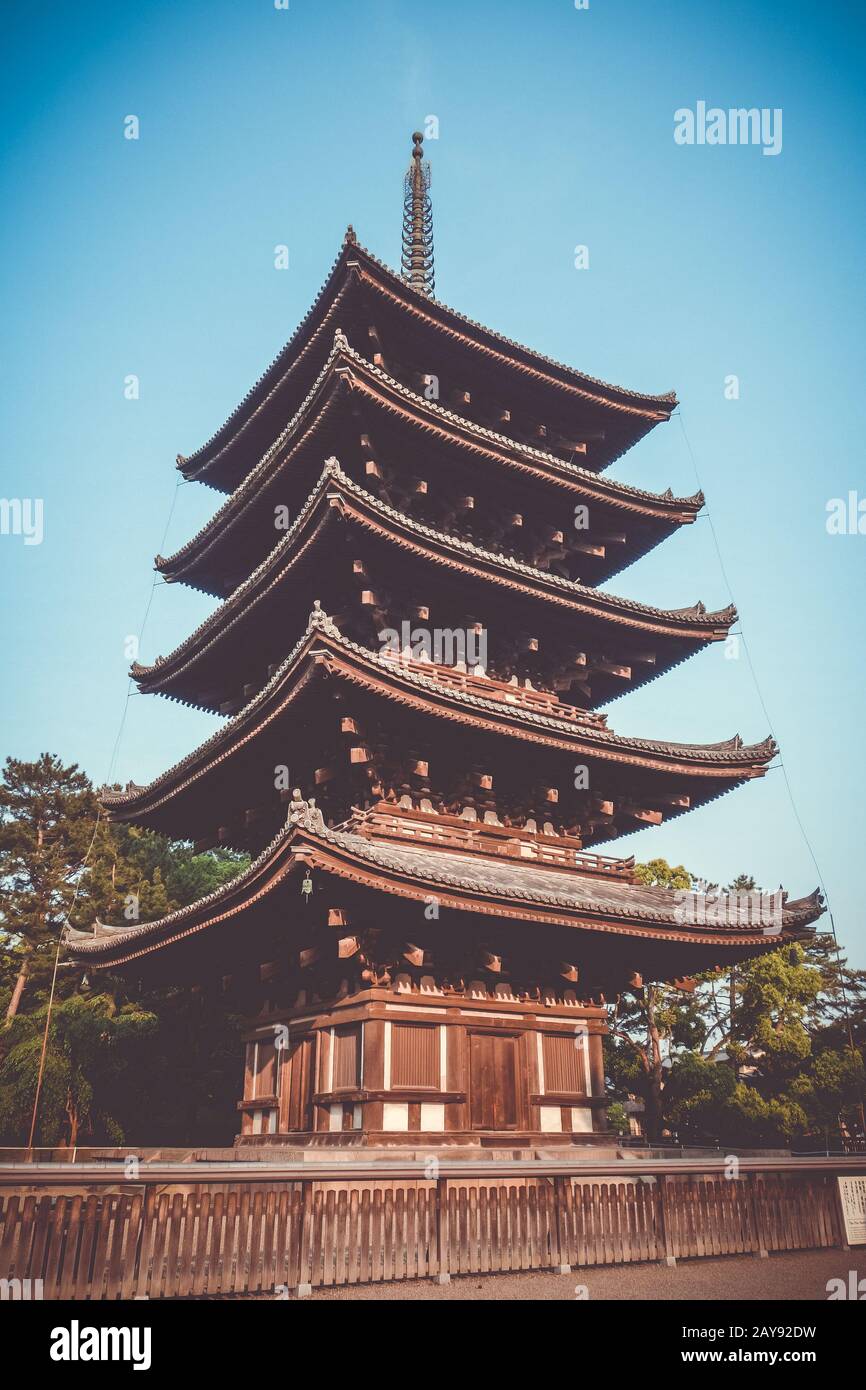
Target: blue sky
{"type": "Point", "coordinates": [258, 127]}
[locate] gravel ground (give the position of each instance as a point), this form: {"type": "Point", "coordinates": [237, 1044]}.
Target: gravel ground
{"type": "Point", "coordinates": [743, 1278]}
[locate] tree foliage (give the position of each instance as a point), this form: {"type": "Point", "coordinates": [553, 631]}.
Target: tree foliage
{"type": "Point", "coordinates": [120, 1064]}
{"type": "Point", "coordinates": [757, 1054]}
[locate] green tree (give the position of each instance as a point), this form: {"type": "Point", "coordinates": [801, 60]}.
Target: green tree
{"type": "Point", "coordinates": [617, 1118]}
{"type": "Point", "coordinates": [831, 1090]}
{"type": "Point", "coordinates": [58, 857]}
{"type": "Point", "coordinates": [658, 873]}
{"type": "Point", "coordinates": [90, 1045]}
{"type": "Point", "coordinates": [757, 1053]}
{"type": "Point", "coordinates": [47, 817]}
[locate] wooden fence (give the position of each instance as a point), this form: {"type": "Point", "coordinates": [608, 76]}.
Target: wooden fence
{"type": "Point", "coordinates": [256, 1236]}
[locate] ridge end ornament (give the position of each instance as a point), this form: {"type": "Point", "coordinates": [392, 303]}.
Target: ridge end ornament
{"type": "Point", "coordinates": [306, 814]}
{"type": "Point", "coordinates": [319, 619]}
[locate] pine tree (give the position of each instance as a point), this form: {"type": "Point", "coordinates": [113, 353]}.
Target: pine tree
{"type": "Point", "coordinates": [47, 818]}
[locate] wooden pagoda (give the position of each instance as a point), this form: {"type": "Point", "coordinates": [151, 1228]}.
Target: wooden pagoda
{"type": "Point", "coordinates": [411, 647]}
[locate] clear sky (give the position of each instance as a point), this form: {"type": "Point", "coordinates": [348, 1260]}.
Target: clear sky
{"type": "Point", "coordinates": [261, 126]}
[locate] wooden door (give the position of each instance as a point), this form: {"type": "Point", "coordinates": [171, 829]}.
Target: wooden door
{"type": "Point", "coordinates": [493, 1080]}
{"type": "Point", "coordinates": [297, 1076]}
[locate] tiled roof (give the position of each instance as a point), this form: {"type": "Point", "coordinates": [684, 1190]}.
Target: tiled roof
{"type": "Point", "coordinates": [623, 496]}
{"type": "Point", "coordinates": [536, 362]}
{"type": "Point", "coordinates": [731, 752]}
{"type": "Point", "coordinates": [595, 601]}
{"type": "Point", "coordinates": [605, 903]}
{"type": "Point", "coordinates": [665, 401]}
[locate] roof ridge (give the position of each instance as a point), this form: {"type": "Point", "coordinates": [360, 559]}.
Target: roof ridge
{"type": "Point", "coordinates": [348, 240]}
{"type": "Point", "coordinates": [427, 299]}
{"type": "Point", "coordinates": [222, 890]}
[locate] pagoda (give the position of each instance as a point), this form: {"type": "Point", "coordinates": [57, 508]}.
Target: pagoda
{"type": "Point", "coordinates": [410, 650]}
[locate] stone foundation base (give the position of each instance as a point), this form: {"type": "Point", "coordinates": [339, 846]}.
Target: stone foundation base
{"type": "Point", "coordinates": [422, 1148]}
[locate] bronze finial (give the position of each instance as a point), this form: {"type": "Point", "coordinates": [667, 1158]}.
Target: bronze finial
{"type": "Point", "coordinates": [417, 258]}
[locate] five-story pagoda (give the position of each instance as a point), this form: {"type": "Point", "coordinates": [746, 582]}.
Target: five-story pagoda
{"type": "Point", "coordinates": [413, 755]}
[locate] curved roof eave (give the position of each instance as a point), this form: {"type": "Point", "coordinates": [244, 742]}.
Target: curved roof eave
{"type": "Point", "coordinates": [661, 506]}
{"type": "Point", "coordinates": [532, 893]}
{"type": "Point", "coordinates": [693, 623]}
{"type": "Point", "coordinates": [729, 759]}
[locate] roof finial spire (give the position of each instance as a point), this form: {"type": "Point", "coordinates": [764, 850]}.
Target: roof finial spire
{"type": "Point", "coordinates": [418, 221]}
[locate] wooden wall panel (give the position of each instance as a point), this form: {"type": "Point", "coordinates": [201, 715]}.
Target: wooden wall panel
{"type": "Point", "coordinates": [266, 1078]}
{"type": "Point", "coordinates": [564, 1071]}
{"type": "Point", "coordinates": [415, 1055]}
{"type": "Point", "coordinates": [347, 1057]}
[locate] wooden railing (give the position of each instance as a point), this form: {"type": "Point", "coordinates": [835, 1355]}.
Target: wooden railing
{"type": "Point", "coordinates": [200, 1229]}
{"type": "Point", "coordinates": [488, 688]}
{"type": "Point", "coordinates": [480, 837]}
